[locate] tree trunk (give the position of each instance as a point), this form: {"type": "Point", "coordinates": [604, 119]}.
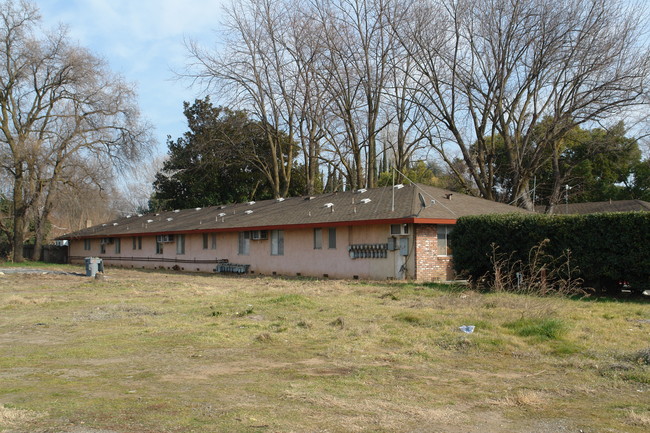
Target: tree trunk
{"type": "Point", "coordinates": [20, 212]}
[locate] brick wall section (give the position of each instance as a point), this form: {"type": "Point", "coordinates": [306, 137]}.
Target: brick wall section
{"type": "Point", "coordinates": [428, 265]}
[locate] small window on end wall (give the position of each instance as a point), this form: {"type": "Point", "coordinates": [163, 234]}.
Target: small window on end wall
{"type": "Point", "coordinates": [244, 243]}
{"type": "Point", "coordinates": [318, 239]}
{"type": "Point", "coordinates": [277, 242]}
{"type": "Point", "coordinates": [180, 244]}
{"type": "Point", "coordinates": [443, 239]}
{"type": "Point", "coordinates": [331, 238]}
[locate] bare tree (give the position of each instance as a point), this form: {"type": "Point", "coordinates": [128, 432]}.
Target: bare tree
{"type": "Point", "coordinates": [359, 41]}
{"type": "Point", "coordinates": [253, 71]}
{"type": "Point", "coordinates": [490, 71]}
{"type": "Point", "coordinates": [59, 107]}
{"type": "Point", "coordinates": [137, 187]}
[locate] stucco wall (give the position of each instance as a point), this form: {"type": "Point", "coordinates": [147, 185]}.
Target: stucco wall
{"type": "Point", "coordinates": [300, 257]}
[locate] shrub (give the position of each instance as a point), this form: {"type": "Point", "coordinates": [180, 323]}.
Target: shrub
{"type": "Point", "coordinates": [604, 248]}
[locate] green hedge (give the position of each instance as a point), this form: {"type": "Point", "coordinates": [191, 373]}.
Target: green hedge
{"type": "Point", "coordinates": [606, 248]}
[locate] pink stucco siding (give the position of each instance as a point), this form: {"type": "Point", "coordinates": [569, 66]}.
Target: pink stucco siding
{"type": "Point", "coordinates": [299, 256]}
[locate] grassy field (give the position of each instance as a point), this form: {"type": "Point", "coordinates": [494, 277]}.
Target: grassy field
{"type": "Point", "coordinates": [169, 352]}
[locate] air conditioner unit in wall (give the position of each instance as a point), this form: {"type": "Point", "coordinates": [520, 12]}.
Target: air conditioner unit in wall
{"type": "Point", "coordinates": [399, 229]}
{"type": "Point", "coordinates": [258, 235]}
{"type": "Point", "coordinates": [164, 239]}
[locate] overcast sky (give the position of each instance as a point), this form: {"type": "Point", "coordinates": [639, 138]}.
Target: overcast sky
{"type": "Point", "coordinates": [143, 41]}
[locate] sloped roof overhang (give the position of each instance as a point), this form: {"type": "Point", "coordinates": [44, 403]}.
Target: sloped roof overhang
{"type": "Point", "coordinates": [412, 220]}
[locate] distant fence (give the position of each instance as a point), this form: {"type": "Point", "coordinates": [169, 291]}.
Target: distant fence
{"type": "Point", "coordinates": [49, 253]}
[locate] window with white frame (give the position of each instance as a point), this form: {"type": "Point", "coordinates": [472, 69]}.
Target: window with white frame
{"type": "Point", "coordinates": [443, 239]}
{"type": "Point", "coordinates": [318, 239]}
{"type": "Point", "coordinates": [277, 242]}
{"type": "Point", "coordinates": [180, 244]}
{"type": "Point", "coordinates": [244, 243]}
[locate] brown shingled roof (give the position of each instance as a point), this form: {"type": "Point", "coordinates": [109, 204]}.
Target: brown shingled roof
{"type": "Point", "coordinates": [377, 205]}
{"type": "Point", "coordinates": [602, 207]}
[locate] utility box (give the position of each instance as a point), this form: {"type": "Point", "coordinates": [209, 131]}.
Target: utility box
{"type": "Point", "coordinates": [94, 265]}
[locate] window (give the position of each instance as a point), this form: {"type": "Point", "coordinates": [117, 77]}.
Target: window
{"type": "Point", "coordinates": [277, 242]}
{"type": "Point", "coordinates": [118, 245]}
{"type": "Point", "coordinates": [213, 244]}
{"type": "Point", "coordinates": [102, 248]}
{"type": "Point", "coordinates": [244, 243]}
{"type": "Point", "coordinates": [318, 239]}
{"type": "Point", "coordinates": [443, 239]}
{"type": "Point", "coordinates": [180, 244]}
{"type": "Point", "coordinates": [87, 244]}
{"type": "Point", "coordinates": [399, 229]}
{"type": "Point", "coordinates": [159, 247]}
{"type": "Point", "coordinates": [137, 242]}
{"type": "Point", "coordinates": [205, 241]}
{"type": "Point", "coordinates": [331, 238]}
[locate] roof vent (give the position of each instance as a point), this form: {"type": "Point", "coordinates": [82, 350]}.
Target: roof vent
{"type": "Point", "coordinates": [328, 205]}
{"type": "Point", "coordinates": [279, 199]}
{"type": "Point", "coordinates": [365, 200]}
{"type": "Point", "coordinates": [448, 196]}
{"type": "Point", "coordinates": [149, 221]}
{"type": "Point", "coordinates": [103, 225]}
{"type": "Point", "coordinates": [223, 206]}
{"type": "Point", "coordinates": [361, 190]}
{"type": "Point", "coordinates": [114, 224]}
{"type": "Point", "coordinates": [250, 203]}
{"type": "Point", "coordinates": [177, 210]}
{"type": "Point", "coordinates": [139, 214]}
{"type": "Point", "coordinates": [197, 208]}
{"type": "Point", "coordinates": [222, 214]}
{"type": "Point", "coordinates": [170, 219]}
{"type": "Point", "coordinates": [398, 186]}
{"type": "Point", "coordinates": [311, 197]}
{"type": "Point", "coordinates": [248, 212]}
{"type": "Point", "coordinates": [128, 216]}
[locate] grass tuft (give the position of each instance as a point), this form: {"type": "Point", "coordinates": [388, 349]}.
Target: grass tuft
{"type": "Point", "coordinates": [544, 328]}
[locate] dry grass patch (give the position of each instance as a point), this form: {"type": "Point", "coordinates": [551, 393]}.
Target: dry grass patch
{"type": "Point", "coordinates": [10, 416]}
{"type": "Point", "coordinates": [524, 398]}
{"type": "Point", "coordinates": [171, 352]}
{"type": "Point", "coordinates": [636, 418]}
